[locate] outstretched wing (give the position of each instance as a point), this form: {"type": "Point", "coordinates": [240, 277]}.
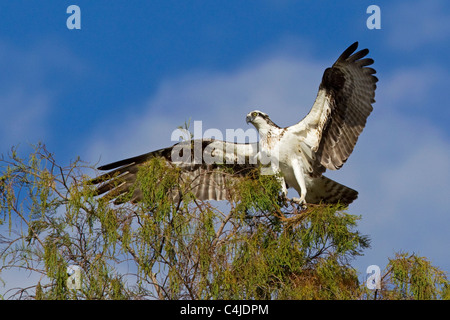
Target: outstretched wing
{"type": "Point", "coordinates": [329, 132]}
{"type": "Point", "coordinates": [202, 164]}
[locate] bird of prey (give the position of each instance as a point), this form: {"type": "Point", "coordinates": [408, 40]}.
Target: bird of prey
{"type": "Point", "coordinates": [298, 154]}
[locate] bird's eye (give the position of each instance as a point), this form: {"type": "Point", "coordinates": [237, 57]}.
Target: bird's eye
{"type": "Point", "coordinates": [254, 114]}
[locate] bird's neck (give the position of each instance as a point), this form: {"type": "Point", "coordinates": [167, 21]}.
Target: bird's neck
{"type": "Point", "coordinates": [268, 130]}
{"type": "Point", "coordinates": [265, 128]}
{"type": "Point", "coordinates": [264, 132]}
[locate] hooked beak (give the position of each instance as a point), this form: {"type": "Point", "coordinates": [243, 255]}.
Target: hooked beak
{"type": "Point", "coordinates": [249, 119]}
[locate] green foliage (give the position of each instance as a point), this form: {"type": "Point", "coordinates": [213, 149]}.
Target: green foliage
{"type": "Point", "coordinates": [173, 246]}
{"type": "Point", "coordinates": [276, 259]}
{"type": "Point", "coordinates": [410, 277]}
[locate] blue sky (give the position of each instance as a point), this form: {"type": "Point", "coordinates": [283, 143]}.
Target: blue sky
{"type": "Point", "coordinates": [136, 70]}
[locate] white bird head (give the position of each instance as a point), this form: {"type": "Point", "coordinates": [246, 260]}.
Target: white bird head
{"type": "Point", "coordinates": [260, 120]}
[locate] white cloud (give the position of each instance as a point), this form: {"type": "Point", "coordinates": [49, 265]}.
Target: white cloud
{"type": "Point", "coordinates": [410, 88]}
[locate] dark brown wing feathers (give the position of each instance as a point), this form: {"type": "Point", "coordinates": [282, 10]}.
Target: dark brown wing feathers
{"type": "Point", "coordinates": [350, 85]}
{"type": "Point", "coordinates": [207, 181]}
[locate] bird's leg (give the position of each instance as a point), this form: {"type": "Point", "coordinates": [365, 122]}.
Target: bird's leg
{"type": "Point", "coordinates": [301, 182]}
{"type": "Point", "coordinates": [300, 202]}
{"type": "Point", "coordinates": [284, 191]}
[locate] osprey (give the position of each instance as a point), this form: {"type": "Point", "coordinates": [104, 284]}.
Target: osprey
{"type": "Point", "coordinates": [299, 154]}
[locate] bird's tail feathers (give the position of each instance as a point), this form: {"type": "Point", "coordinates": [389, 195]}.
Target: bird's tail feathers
{"type": "Point", "coordinates": [325, 190]}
